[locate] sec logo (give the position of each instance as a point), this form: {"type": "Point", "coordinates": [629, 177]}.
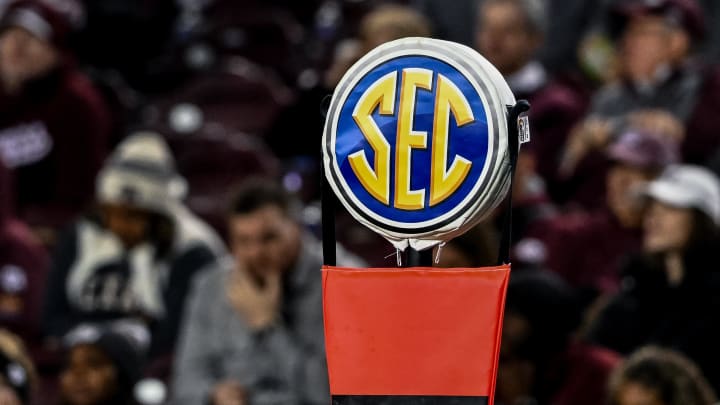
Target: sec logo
{"type": "Point", "coordinates": [412, 142]}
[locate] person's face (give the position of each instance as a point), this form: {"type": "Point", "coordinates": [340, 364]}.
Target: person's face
{"type": "Point", "coordinates": [647, 44]}
{"type": "Point", "coordinates": [502, 37]}
{"type": "Point", "coordinates": [89, 378]}
{"type": "Point", "coordinates": [636, 394]}
{"type": "Point", "coordinates": [24, 57]}
{"type": "Point", "coordinates": [264, 240]}
{"type": "Point", "coordinates": [666, 228]}
{"type": "Point", "coordinates": [128, 223]}
{"type": "Point", "coordinates": [622, 183]}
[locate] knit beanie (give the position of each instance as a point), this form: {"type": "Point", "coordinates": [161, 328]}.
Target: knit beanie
{"type": "Point", "coordinates": [141, 173]}
{"type": "Point", "coordinates": [124, 342]}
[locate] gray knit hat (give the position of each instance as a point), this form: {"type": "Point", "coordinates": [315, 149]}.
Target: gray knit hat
{"type": "Point", "coordinates": [141, 173]}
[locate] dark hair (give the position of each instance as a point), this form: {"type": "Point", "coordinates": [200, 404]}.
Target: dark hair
{"type": "Point", "coordinates": [125, 352]}
{"type": "Point", "coordinates": [550, 306]}
{"type": "Point", "coordinates": [161, 233]}
{"type": "Point", "coordinates": [124, 389]}
{"type": "Point", "coordinates": [704, 230]}
{"type": "Point", "coordinates": [675, 379]}
{"type": "Point", "coordinates": [258, 193]}
{"type": "Point", "coordinates": [550, 309]}
{"type": "Point", "coordinates": [703, 243]}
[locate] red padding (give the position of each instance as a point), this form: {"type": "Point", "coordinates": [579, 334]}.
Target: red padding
{"type": "Point", "coordinates": [413, 331]}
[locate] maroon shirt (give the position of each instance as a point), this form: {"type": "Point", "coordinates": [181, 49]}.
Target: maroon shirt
{"type": "Point", "coordinates": [23, 269]}
{"type": "Point", "coordinates": [53, 135]}
{"type": "Point", "coordinates": [702, 132]}
{"type": "Point", "coordinates": [588, 369]}
{"type": "Point", "coordinates": [587, 250]}
{"type": "Point", "coordinates": [554, 109]}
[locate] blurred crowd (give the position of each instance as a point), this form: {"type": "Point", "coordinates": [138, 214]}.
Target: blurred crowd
{"type": "Point", "coordinates": [159, 186]}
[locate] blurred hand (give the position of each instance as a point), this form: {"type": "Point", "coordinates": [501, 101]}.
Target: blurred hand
{"type": "Point", "coordinates": [228, 393]}
{"type": "Point", "coordinates": [8, 396]}
{"type": "Point", "coordinates": [257, 302]}
{"type": "Point", "coordinates": [658, 122]}
{"type": "Point", "coordinates": [590, 134]}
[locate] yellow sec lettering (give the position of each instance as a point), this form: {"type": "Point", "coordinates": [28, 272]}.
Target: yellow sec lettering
{"type": "Point", "coordinates": [444, 181]}
{"type": "Point", "coordinates": [407, 139]}
{"type": "Point", "coordinates": [375, 178]}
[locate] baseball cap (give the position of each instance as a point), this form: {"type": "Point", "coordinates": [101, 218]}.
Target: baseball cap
{"type": "Point", "coordinates": [644, 150]}
{"type": "Point", "coordinates": [688, 186]}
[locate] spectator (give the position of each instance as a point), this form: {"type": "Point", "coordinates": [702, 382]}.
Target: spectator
{"type": "Point", "coordinates": [103, 365]}
{"type": "Point", "coordinates": [570, 21]}
{"type": "Point", "coordinates": [138, 255]}
{"type": "Point", "coordinates": [509, 35]}
{"type": "Point", "coordinates": [383, 24]}
{"type": "Point", "coordinates": [659, 86]}
{"type": "Point", "coordinates": [23, 269]}
{"type": "Point", "coordinates": [17, 373]}
{"type": "Point", "coordinates": [539, 361]}
{"type": "Point", "coordinates": [583, 167]}
{"type": "Point", "coordinates": [586, 249]}
{"type": "Point", "coordinates": [53, 124]}
{"type": "Point", "coordinates": [530, 200]}
{"type": "Point", "coordinates": [390, 22]}
{"type": "Point", "coordinates": [254, 330]}
{"type": "Point", "coordinates": [670, 290]}
{"type": "Point", "coordinates": [661, 377]}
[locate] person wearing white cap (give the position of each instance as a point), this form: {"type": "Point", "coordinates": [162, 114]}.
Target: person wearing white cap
{"type": "Point", "coordinates": [688, 186]}
{"type": "Point", "coordinates": [137, 256]}
{"type": "Point", "coordinates": [670, 291]}
{"type": "Point", "coordinates": [561, 243]}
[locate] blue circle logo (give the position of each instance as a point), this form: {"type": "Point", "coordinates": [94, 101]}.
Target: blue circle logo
{"type": "Point", "coordinates": [409, 140]}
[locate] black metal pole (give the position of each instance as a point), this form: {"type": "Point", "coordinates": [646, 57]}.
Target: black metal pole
{"type": "Point", "coordinates": [514, 148]}
{"type": "Point", "coordinates": [422, 258]}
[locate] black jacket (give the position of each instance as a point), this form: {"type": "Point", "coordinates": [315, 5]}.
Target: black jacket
{"type": "Point", "coordinates": [93, 279]}
{"type": "Point", "coordinates": [650, 311]}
